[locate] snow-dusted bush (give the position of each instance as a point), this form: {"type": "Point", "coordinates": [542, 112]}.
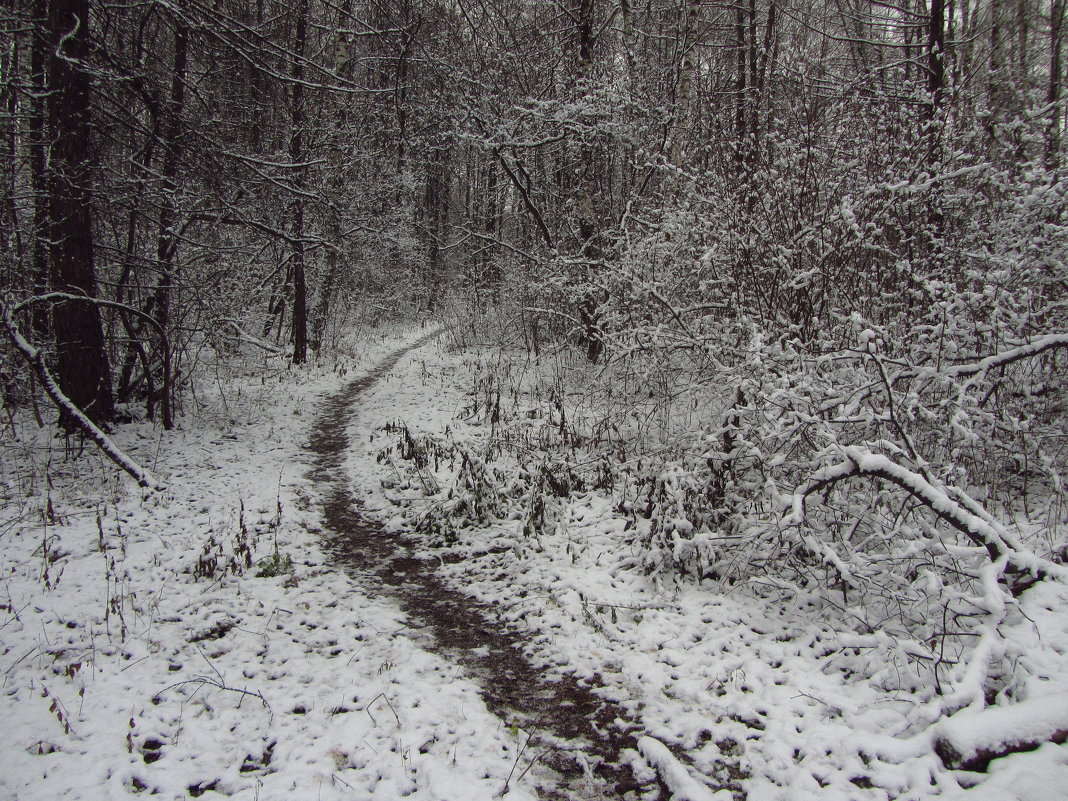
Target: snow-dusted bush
{"type": "Point", "coordinates": [844, 383]}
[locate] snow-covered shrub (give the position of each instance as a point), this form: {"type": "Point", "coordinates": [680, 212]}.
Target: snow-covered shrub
{"type": "Point", "coordinates": [471, 496]}
{"type": "Point", "coordinates": [838, 379]}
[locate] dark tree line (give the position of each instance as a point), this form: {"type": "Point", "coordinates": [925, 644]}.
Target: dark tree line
{"type": "Point", "coordinates": [253, 170]}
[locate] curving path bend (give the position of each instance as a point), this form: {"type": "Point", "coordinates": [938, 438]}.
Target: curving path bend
{"type": "Point", "coordinates": [575, 733]}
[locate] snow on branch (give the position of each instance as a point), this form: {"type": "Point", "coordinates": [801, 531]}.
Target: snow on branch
{"type": "Point", "coordinates": [245, 336]}
{"type": "Point", "coordinates": [152, 322]}
{"type": "Point", "coordinates": [974, 523]}
{"type": "Point", "coordinates": [674, 775]}
{"type": "Point", "coordinates": [35, 358]}
{"type": "Point", "coordinates": [1025, 351]}
{"type": "Point", "coordinates": [971, 739]}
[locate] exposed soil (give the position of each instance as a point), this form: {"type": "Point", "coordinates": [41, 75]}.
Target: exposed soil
{"type": "Point", "coordinates": [573, 731]}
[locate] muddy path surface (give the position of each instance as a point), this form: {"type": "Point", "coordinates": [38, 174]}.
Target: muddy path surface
{"type": "Point", "coordinates": [573, 732]}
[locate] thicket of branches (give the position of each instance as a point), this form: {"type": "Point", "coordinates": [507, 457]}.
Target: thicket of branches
{"type": "Point", "coordinates": [838, 233]}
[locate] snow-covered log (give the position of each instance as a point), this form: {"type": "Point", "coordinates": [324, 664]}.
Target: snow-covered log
{"type": "Point", "coordinates": [970, 739]}
{"type": "Point", "coordinates": [674, 775]}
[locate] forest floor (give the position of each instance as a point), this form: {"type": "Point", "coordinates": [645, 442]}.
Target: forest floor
{"type": "Point", "coordinates": [214, 639]}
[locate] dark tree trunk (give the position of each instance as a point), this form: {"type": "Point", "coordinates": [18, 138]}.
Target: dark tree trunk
{"type": "Point", "coordinates": [587, 223]}
{"type": "Point", "coordinates": [437, 205]}
{"type": "Point", "coordinates": [167, 241]}
{"type": "Point", "coordinates": [587, 226]}
{"type": "Point", "coordinates": [740, 87]}
{"type": "Point", "coordinates": [1053, 97]}
{"type": "Point", "coordinates": [10, 65]}
{"type": "Point", "coordinates": [936, 82]}
{"type": "Point", "coordinates": [39, 165]}
{"type": "Point", "coordinates": [296, 155]}
{"type": "Point", "coordinates": [81, 357]}
{"type": "Point", "coordinates": [936, 57]}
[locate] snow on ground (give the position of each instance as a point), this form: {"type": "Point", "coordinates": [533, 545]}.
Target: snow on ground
{"type": "Point", "coordinates": [194, 643]}
{"type": "Point", "coordinates": [767, 693]}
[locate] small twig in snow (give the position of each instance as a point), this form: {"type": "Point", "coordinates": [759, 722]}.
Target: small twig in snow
{"type": "Point", "coordinates": [367, 708]}
{"type": "Point", "coordinates": [202, 681]}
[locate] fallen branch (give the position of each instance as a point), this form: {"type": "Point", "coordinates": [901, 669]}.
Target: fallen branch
{"type": "Point", "coordinates": [245, 336]}
{"type": "Point", "coordinates": [971, 739]}
{"type": "Point", "coordinates": [35, 358]}
{"type": "Point", "coordinates": [49, 297]}
{"type": "Point", "coordinates": [218, 684]}
{"type": "Point", "coordinates": [674, 774]}
{"type": "Point", "coordinates": [978, 526]}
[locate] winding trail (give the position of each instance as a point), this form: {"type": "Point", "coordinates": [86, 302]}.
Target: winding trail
{"type": "Point", "coordinates": [572, 730]}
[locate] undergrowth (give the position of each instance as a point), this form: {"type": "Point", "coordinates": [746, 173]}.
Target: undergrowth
{"type": "Point", "coordinates": [910, 496]}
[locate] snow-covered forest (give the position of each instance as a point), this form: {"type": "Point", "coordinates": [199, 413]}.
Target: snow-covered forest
{"type": "Point", "coordinates": [533, 399]}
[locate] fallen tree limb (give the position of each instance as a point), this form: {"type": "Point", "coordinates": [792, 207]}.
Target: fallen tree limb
{"type": "Point", "coordinates": [674, 774]}
{"type": "Point", "coordinates": [972, 739]}
{"type": "Point", "coordinates": [35, 358]}
{"type": "Point", "coordinates": [969, 519]}
{"type": "Point", "coordinates": [49, 297]}
{"type": "Point", "coordinates": [245, 336]}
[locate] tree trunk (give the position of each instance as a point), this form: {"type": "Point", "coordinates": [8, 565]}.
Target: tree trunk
{"type": "Point", "coordinates": [39, 165]}
{"type": "Point", "coordinates": [167, 242]}
{"type": "Point", "coordinates": [10, 65]}
{"type": "Point", "coordinates": [332, 215]}
{"type": "Point", "coordinates": [628, 40]}
{"type": "Point", "coordinates": [585, 217]}
{"type": "Point", "coordinates": [680, 122]}
{"type": "Point", "coordinates": [936, 59]}
{"type": "Point", "coordinates": [321, 315]}
{"type": "Point", "coordinates": [1053, 138]}
{"type": "Point", "coordinates": [936, 80]}
{"type": "Point", "coordinates": [437, 209]}
{"type": "Point", "coordinates": [995, 90]}
{"type": "Point", "coordinates": [739, 85]}
{"type": "Point", "coordinates": [296, 155]}
{"type": "Point", "coordinates": [1023, 47]}
{"type": "Point", "coordinates": [587, 227]}
{"type": "Point", "coordinates": [83, 372]}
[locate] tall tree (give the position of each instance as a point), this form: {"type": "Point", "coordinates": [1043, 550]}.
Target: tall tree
{"type": "Point", "coordinates": [1053, 95]}
{"type": "Point", "coordinates": [296, 157]}
{"type": "Point", "coordinates": [83, 369]}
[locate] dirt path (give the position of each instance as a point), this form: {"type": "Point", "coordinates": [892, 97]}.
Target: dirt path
{"type": "Point", "coordinates": [572, 731]}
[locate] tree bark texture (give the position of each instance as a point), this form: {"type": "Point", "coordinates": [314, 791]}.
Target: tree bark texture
{"type": "Point", "coordinates": [83, 372]}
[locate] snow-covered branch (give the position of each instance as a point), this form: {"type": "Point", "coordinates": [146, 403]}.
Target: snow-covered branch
{"type": "Point", "coordinates": [245, 336]}
{"type": "Point", "coordinates": [974, 523]}
{"type": "Point", "coordinates": [152, 322]}
{"type": "Point", "coordinates": [1025, 351]}
{"type": "Point", "coordinates": [35, 358]}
